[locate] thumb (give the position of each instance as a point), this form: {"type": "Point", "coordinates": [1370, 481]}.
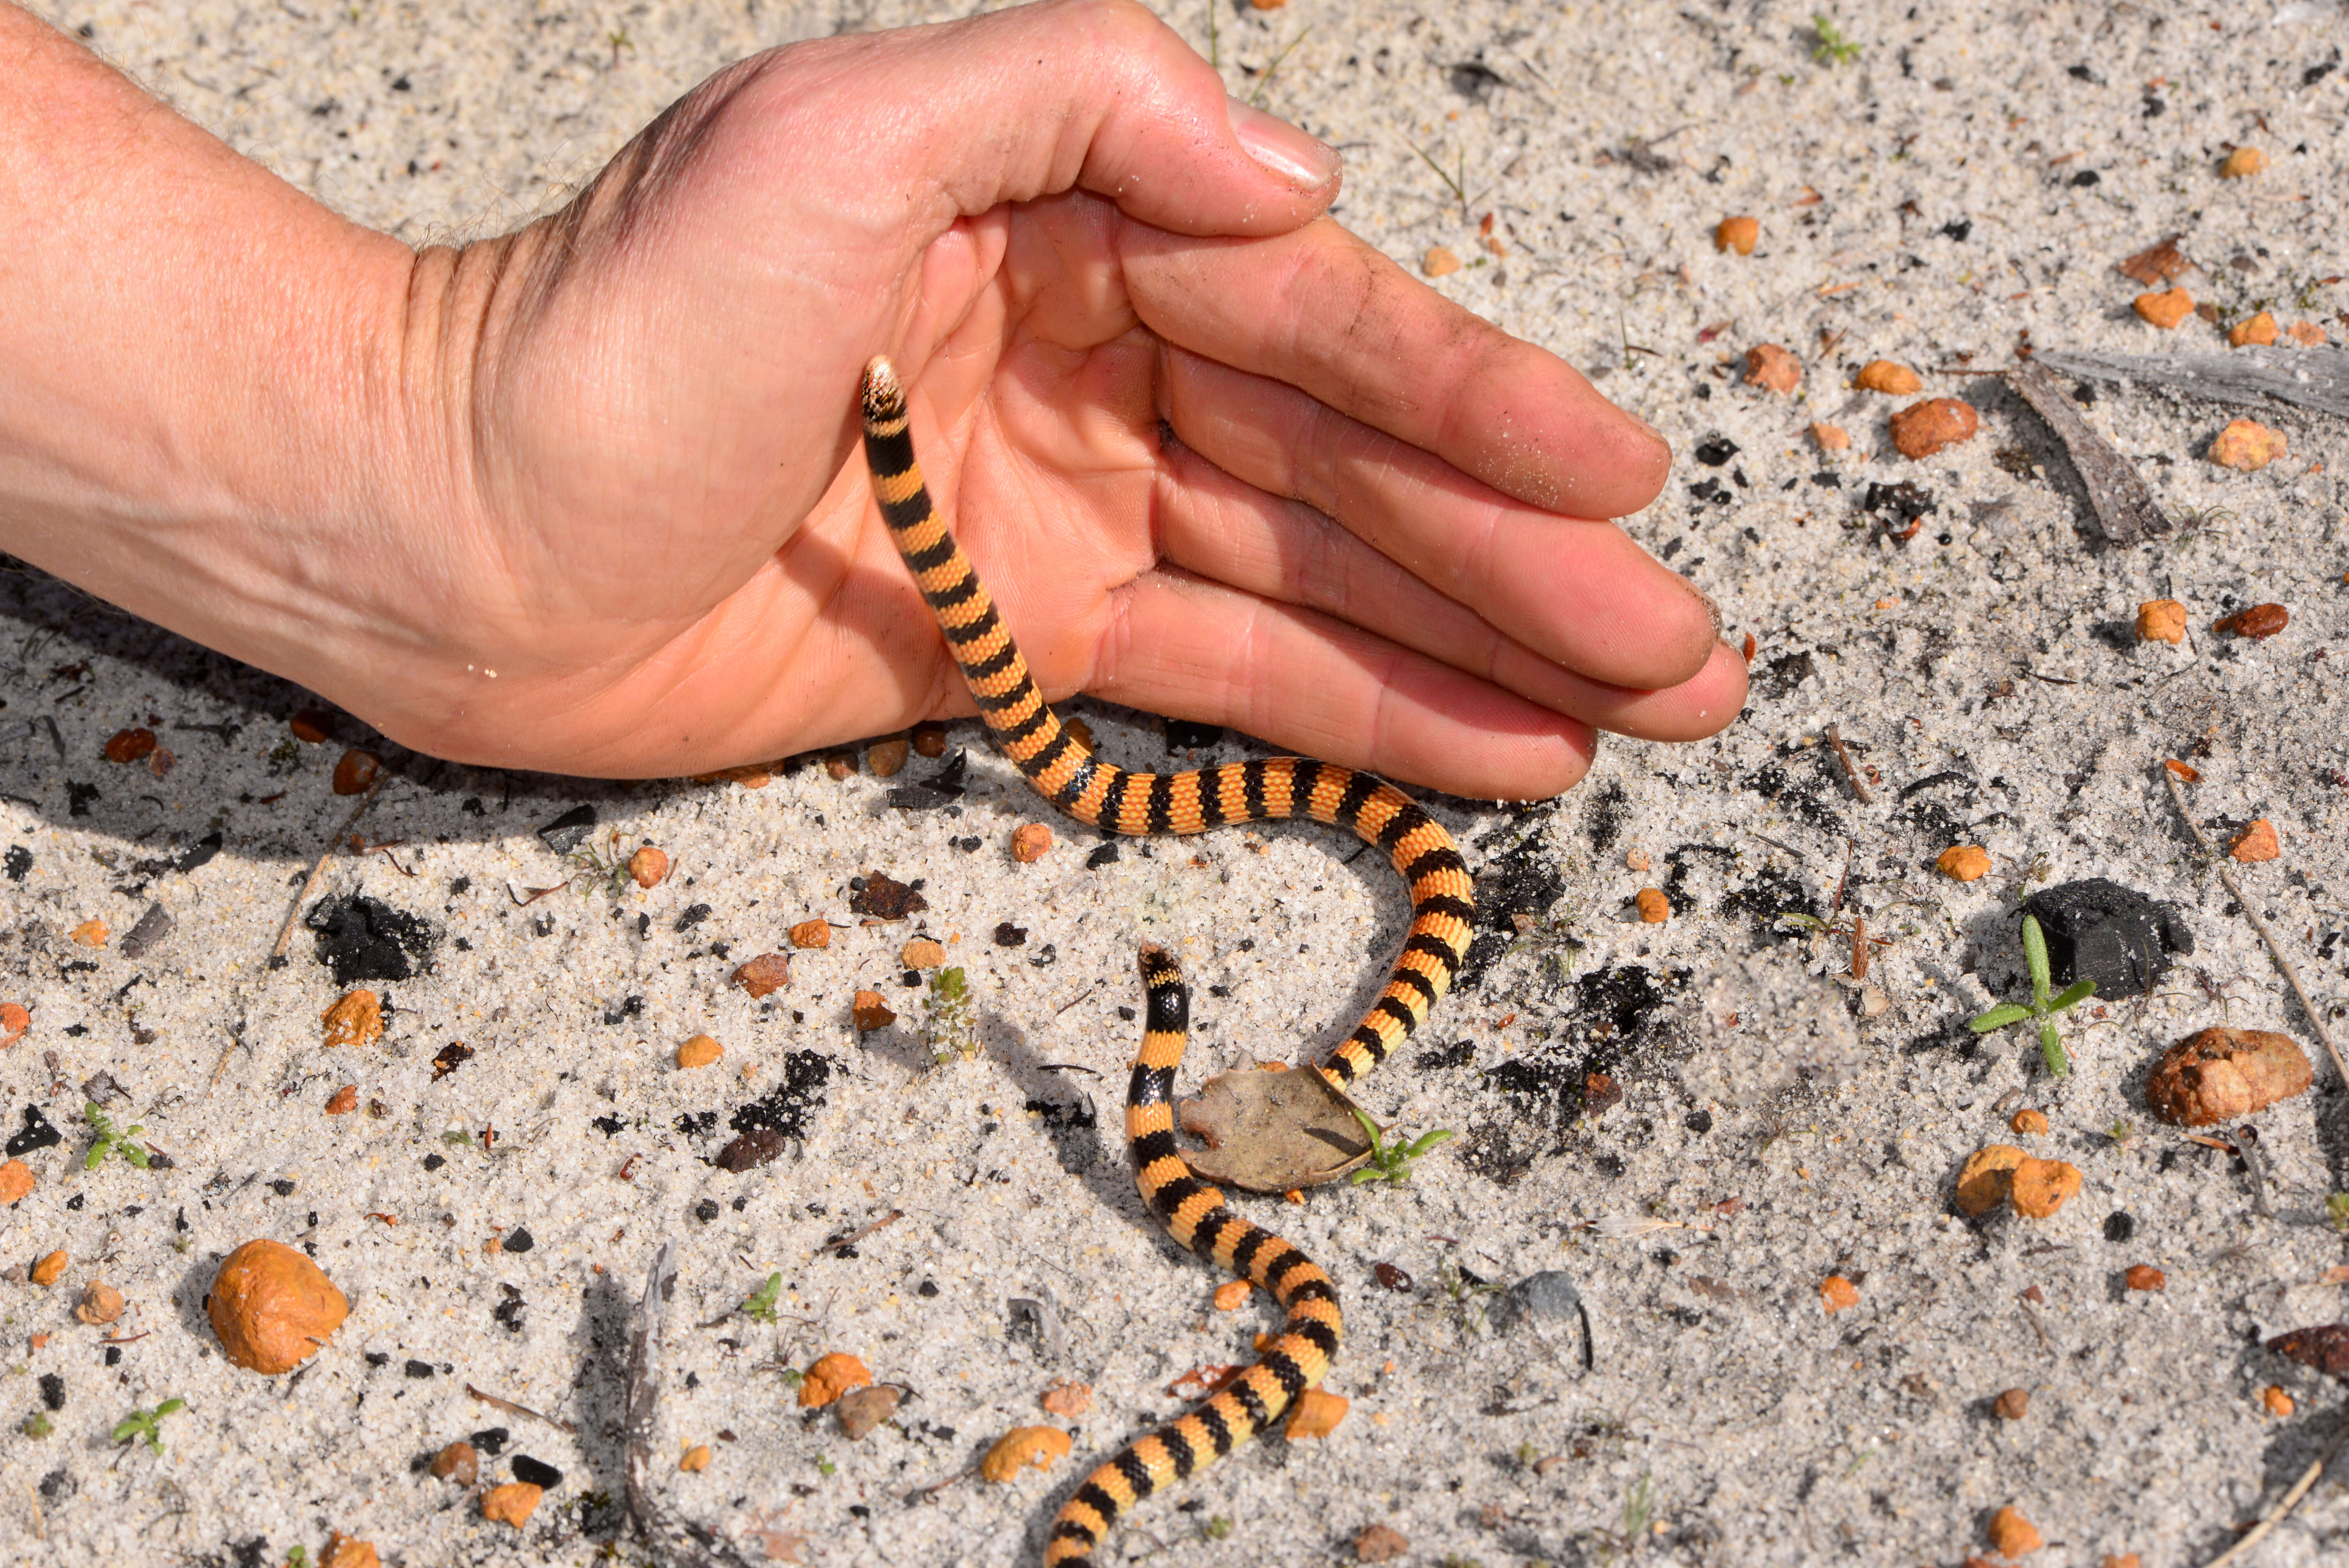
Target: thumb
{"type": "Point", "coordinates": [1092, 95]}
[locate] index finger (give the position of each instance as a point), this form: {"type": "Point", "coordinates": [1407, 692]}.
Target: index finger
{"type": "Point", "coordinates": [1324, 311]}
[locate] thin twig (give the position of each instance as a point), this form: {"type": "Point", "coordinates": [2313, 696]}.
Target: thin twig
{"type": "Point", "coordinates": [2275, 948]}
{"type": "Point", "coordinates": [1858, 946]}
{"type": "Point", "coordinates": [1836, 907]}
{"type": "Point", "coordinates": [319, 871]}
{"type": "Point", "coordinates": [853, 1237]}
{"type": "Point", "coordinates": [1834, 740]}
{"type": "Point", "coordinates": [2291, 1501]}
{"type": "Point", "coordinates": [1777, 844]}
{"type": "Point", "coordinates": [520, 1409]}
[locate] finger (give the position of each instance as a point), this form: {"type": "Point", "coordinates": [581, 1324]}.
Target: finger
{"type": "Point", "coordinates": [1093, 95]}
{"type": "Point", "coordinates": [1325, 313]}
{"type": "Point", "coordinates": [1580, 593]}
{"type": "Point", "coordinates": [1178, 646]}
{"type": "Point", "coordinates": [1216, 526]}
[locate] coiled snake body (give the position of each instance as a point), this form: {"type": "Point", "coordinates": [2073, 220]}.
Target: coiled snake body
{"type": "Point", "coordinates": [1111, 797]}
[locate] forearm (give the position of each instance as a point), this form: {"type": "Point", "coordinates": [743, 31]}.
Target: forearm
{"type": "Point", "coordinates": [190, 370]}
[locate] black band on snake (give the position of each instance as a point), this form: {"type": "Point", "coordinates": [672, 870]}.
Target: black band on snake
{"type": "Point", "coordinates": [1108, 797]}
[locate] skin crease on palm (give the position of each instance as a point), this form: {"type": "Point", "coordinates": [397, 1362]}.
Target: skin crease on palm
{"type": "Point", "coordinates": [1215, 457]}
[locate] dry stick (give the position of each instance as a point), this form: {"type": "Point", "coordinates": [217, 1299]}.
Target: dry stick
{"type": "Point", "coordinates": [286, 931]}
{"type": "Point", "coordinates": [520, 1409]}
{"type": "Point", "coordinates": [1835, 740]}
{"type": "Point", "coordinates": [2291, 1501]}
{"type": "Point", "coordinates": [2275, 948]}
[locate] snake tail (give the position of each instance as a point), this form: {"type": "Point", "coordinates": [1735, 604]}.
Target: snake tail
{"type": "Point", "coordinates": [1116, 801]}
{"type": "Point", "coordinates": [1196, 1215]}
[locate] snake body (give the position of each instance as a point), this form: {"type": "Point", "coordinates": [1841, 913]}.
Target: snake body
{"type": "Point", "coordinates": [1117, 800]}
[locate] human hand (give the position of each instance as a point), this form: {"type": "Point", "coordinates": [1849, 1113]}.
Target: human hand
{"type": "Point", "coordinates": [612, 521]}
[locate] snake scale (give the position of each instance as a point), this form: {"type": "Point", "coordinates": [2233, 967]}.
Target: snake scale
{"type": "Point", "coordinates": [1116, 801]}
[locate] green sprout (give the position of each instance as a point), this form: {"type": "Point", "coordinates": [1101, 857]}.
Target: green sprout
{"type": "Point", "coordinates": [38, 1425]}
{"type": "Point", "coordinates": [110, 1142]}
{"type": "Point", "coordinates": [1391, 1161]}
{"type": "Point", "coordinates": [298, 1557]}
{"type": "Point", "coordinates": [147, 1424]}
{"type": "Point", "coordinates": [2337, 1212]}
{"type": "Point", "coordinates": [760, 1304]}
{"type": "Point", "coordinates": [2042, 1006]}
{"type": "Point", "coordinates": [2120, 1132]}
{"type": "Point", "coordinates": [1833, 49]}
{"type": "Point", "coordinates": [824, 1467]}
{"type": "Point", "coordinates": [1217, 1527]}
{"type": "Point", "coordinates": [949, 1028]}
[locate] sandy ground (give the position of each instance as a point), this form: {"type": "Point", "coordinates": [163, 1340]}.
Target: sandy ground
{"type": "Point", "coordinates": [1954, 189]}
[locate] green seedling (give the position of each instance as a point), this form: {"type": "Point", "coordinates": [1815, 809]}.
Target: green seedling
{"type": "Point", "coordinates": [824, 1467]}
{"type": "Point", "coordinates": [298, 1557]}
{"type": "Point", "coordinates": [110, 1142]}
{"type": "Point", "coordinates": [2041, 1006]}
{"type": "Point", "coordinates": [147, 1424]}
{"type": "Point", "coordinates": [2337, 1212]}
{"type": "Point", "coordinates": [949, 1028]}
{"type": "Point", "coordinates": [38, 1425]}
{"type": "Point", "coordinates": [1217, 1527]}
{"type": "Point", "coordinates": [760, 1304]}
{"type": "Point", "coordinates": [1833, 49]}
{"type": "Point", "coordinates": [2120, 1132]}
{"type": "Point", "coordinates": [1391, 1161]}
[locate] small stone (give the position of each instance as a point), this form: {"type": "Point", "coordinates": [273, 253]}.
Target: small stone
{"type": "Point", "coordinates": [1836, 1293]}
{"type": "Point", "coordinates": [832, 1376]}
{"type": "Point", "coordinates": [47, 1271]}
{"type": "Point", "coordinates": [2012, 1535]}
{"type": "Point", "coordinates": [2028, 1122]}
{"type": "Point", "coordinates": [161, 761]}
{"type": "Point", "coordinates": [1770, 366]}
{"type": "Point", "coordinates": [1736, 234]}
{"type": "Point", "coordinates": [273, 1307]}
{"type": "Point", "coordinates": [2305, 334]}
{"type": "Point", "coordinates": [16, 1181]}
{"type": "Point", "coordinates": [929, 739]}
{"type": "Point", "coordinates": [648, 866]}
{"type": "Point", "coordinates": [1987, 1179]}
{"type": "Point", "coordinates": [2012, 1405]}
{"type": "Point", "coordinates": [2325, 1347]}
{"type": "Point", "coordinates": [2242, 163]}
{"type": "Point", "coordinates": [1830, 438]}
{"type": "Point", "coordinates": [100, 1303]}
{"type": "Point", "coordinates": [1068, 1399]}
{"type": "Point", "coordinates": [2257, 622]}
{"type": "Point", "coordinates": [2120, 1559]}
{"type": "Point", "coordinates": [457, 1462]}
{"type": "Point", "coordinates": [14, 1019]}
{"type": "Point", "coordinates": [699, 1051]}
{"type": "Point", "coordinates": [921, 953]}
{"type": "Point", "coordinates": [311, 726]}
{"type": "Point", "coordinates": [1637, 861]}
{"type": "Point", "coordinates": [1654, 907]}
{"type": "Point", "coordinates": [1029, 843]}
{"type": "Point", "coordinates": [511, 1503]}
{"type": "Point", "coordinates": [810, 933]}
{"type": "Point", "coordinates": [695, 1459]}
{"type": "Point", "coordinates": [356, 1019]}
{"type": "Point", "coordinates": [1268, 4]}
{"type": "Point", "coordinates": [1021, 1447]}
{"type": "Point", "coordinates": [1963, 862]}
{"type": "Point", "coordinates": [2220, 1075]}
{"type": "Point", "coordinates": [770, 972]}
{"type": "Point", "coordinates": [2256, 842]}
{"type": "Point", "coordinates": [90, 933]}
{"type": "Point", "coordinates": [2144, 1276]}
{"type": "Point", "coordinates": [2257, 331]}
{"type": "Point", "coordinates": [862, 1410]}
{"type": "Point", "coordinates": [2278, 1402]}
{"type": "Point", "coordinates": [2187, 772]}
{"type": "Point", "coordinates": [130, 745]}
{"type": "Point", "coordinates": [2161, 621]}
{"type": "Point", "coordinates": [2167, 309]}
{"type": "Point", "coordinates": [346, 1100]}
{"type": "Point", "coordinates": [1923, 428]}
{"type": "Point", "coordinates": [1887, 377]}
{"type": "Point", "coordinates": [2247, 446]}
{"type": "Point", "coordinates": [886, 757]}
{"type": "Point", "coordinates": [2043, 1186]}
{"type": "Point", "coordinates": [1231, 1295]}
{"type": "Point", "coordinates": [870, 1012]}
{"type": "Point", "coordinates": [343, 1553]}
{"type": "Point", "coordinates": [1376, 1543]}
{"type": "Point", "coordinates": [1438, 261]}
{"type": "Point", "coordinates": [884, 897]}
{"type": "Point", "coordinates": [1316, 1414]}
{"type": "Point", "coordinates": [356, 772]}
{"type": "Point", "coordinates": [840, 761]}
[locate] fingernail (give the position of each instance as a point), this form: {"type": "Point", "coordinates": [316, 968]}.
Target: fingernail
{"type": "Point", "coordinates": [1302, 160]}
